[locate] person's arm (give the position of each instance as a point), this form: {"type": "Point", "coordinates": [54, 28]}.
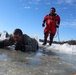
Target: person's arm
{"type": "Point", "coordinates": [45, 18]}
{"type": "Point", "coordinates": [2, 44]}
{"type": "Point", "coordinates": [6, 42]}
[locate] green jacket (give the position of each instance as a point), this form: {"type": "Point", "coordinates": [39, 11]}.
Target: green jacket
{"type": "Point", "coordinates": [30, 43]}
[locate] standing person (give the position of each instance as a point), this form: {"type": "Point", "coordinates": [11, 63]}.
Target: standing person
{"type": "Point", "coordinates": [52, 21]}
{"type": "Point", "coordinates": [21, 41]}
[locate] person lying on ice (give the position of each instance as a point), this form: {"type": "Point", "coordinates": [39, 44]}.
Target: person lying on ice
{"type": "Point", "coordinates": [52, 22]}
{"type": "Point", "coordinates": [21, 41]}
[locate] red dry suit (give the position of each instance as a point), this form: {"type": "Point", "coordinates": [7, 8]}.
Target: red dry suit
{"type": "Point", "coordinates": [51, 21]}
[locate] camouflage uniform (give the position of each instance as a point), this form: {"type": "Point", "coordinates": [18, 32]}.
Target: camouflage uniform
{"type": "Point", "coordinates": [30, 43]}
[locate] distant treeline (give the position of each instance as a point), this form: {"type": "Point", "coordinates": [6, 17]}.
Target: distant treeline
{"type": "Point", "coordinates": [71, 42]}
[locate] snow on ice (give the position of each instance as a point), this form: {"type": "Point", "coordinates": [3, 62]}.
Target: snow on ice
{"type": "Point", "coordinates": [65, 48]}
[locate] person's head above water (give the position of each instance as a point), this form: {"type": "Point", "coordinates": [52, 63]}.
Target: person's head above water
{"type": "Point", "coordinates": [17, 35]}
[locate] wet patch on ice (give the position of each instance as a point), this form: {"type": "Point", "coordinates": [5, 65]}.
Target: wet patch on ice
{"type": "Point", "coordinates": [31, 59]}
{"type": "Point", "coordinates": [43, 62]}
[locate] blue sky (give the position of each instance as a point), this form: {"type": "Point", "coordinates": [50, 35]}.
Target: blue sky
{"type": "Point", "coordinates": [28, 16]}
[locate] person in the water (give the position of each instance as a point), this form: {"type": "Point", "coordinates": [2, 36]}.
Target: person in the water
{"type": "Point", "coordinates": [21, 41]}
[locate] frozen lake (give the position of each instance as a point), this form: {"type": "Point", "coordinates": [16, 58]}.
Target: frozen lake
{"type": "Point", "coordinates": [43, 62]}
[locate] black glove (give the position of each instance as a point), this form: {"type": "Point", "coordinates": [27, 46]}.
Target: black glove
{"type": "Point", "coordinates": [43, 25]}
{"type": "Point", "coordinates": [57, 26]}
{"type": "Point", "coordinates": [20, 47]}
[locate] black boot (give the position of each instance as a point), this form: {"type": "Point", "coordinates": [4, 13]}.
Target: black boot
{"type": "Point", "coordinates": [51, 38]}
{"type": "Point", "coordinates": [50, 43]}
{"type": "Point", "coordinates": [44, 43]}
{"type": "Point", "coordinates": [45, 38]}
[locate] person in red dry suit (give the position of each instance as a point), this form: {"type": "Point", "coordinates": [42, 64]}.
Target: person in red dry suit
{"type": "Point", "coordinates": [52, 21]}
